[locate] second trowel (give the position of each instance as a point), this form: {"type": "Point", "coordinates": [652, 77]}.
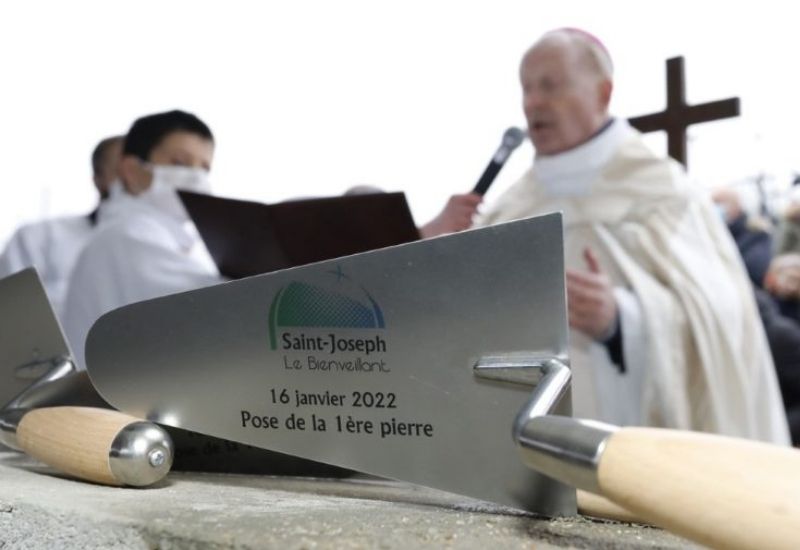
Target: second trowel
{"type": "Point", "coordinates": [54, 414]}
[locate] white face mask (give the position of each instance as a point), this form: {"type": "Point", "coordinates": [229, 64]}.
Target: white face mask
{"type": "Point", "coordinates": [167, 180]}
{"type": "Point", "coordinates": [181, 178]}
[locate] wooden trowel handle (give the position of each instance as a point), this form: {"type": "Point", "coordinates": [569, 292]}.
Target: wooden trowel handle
{"type": "Point", "coordinates": [590, 504]}
{"type": "Point", "coordinates": [99, 445]}
{"type": "Point", "coordinates": [719, 491]}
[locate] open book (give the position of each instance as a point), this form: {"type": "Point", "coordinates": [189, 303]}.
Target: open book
{"type": "Point", "coordinates": [249, 238]}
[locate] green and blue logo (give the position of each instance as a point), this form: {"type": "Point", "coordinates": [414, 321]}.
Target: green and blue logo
{"type": "Point", "coordinates": [337, 303]}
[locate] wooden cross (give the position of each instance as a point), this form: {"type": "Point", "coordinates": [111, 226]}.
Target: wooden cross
{"type": "Point", "coordinates": [678, 115]}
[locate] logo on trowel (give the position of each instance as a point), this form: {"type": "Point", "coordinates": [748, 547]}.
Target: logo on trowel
{"type": "Point", "coordinates": [336, 301]}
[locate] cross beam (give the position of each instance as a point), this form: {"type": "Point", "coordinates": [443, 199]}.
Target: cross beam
{"type": "Point", "coordinates": [678, 116]}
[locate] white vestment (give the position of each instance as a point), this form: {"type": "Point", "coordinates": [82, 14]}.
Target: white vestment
{"type": "Point", "coordinates": [695, 351]}
{"type": "Point", "coordinates": [137, 253]}
{"type": "Point", "coordinates": [52, 247]}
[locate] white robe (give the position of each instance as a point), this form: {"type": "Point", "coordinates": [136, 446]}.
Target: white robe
{"type": "Point", "coordinates": [137, 253]}
{"type": "Point", "coordinates": [694, 347]}
{"type": "Point", "coordinates": [52, 247]}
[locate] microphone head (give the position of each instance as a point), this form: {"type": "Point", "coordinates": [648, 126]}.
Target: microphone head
{"type": "Point", "coordinates": [513, 137]}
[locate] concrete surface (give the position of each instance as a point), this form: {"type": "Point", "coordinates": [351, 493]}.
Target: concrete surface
{"type": "Point", "coordinates": [40, 509]}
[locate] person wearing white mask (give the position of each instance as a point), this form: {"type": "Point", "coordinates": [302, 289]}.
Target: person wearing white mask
{"type": "Point", "coordinates": [664, 328]}
{"type": "Point", "coordinates": [52, 246]}
{"type": "Point", "coordinates": [146, 246]}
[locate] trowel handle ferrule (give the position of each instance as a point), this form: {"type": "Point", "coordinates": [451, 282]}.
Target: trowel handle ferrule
{"type": "Point", "coordinates": [9, 421]}
{"type": "Point", "coordinates": [99, 445]}
{"type": "Point", "coordinates": [564, 448]}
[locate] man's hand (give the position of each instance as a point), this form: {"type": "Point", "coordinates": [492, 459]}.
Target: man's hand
{"type": "Point", "coordinates": [783, 276]}
{"type": "Point", "coordinates": [455, 216]}
{"type": "Point", "coordinates": [590, 299]}
{"type": "Point", "coordinates": [792, 211]}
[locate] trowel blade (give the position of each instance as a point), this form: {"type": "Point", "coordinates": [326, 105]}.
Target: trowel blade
{"type": "Point", "coordinates": [364, 362]}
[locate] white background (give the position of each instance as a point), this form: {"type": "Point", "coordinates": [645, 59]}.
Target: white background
{"type": "Point", "coordinates": [307, 98]}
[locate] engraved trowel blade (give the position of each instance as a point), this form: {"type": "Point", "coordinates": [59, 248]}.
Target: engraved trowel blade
{"type": "Point", "coordinates": [364, 362]}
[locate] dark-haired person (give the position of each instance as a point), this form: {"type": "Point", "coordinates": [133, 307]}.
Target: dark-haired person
{"type": "Point", "coordinates": [105, 164]}
{"type": "Point", "coordinates": [145, 245]}
{"type": "Point", "coordinates": [52, 246]}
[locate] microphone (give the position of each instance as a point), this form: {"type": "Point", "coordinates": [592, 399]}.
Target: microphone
{"type": "Point", "coordinates": [511, 140]}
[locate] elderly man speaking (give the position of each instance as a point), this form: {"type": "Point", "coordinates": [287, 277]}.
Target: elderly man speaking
{"type": "Point", "coordinates": [665, 329]}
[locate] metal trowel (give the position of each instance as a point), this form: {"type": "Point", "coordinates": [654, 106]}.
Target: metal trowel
{"type": "Point", "coordinates": [416, 362]}
{"type": "Point", "coordinates": [363, 362]}
{"type": "Point", "coordinates": [53, 412]}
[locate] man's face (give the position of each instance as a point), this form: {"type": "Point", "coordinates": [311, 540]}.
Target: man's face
{"type": "Point", "coordinates": [565, 102]}
{"type": "Point", "coordinates": [176, 149]}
